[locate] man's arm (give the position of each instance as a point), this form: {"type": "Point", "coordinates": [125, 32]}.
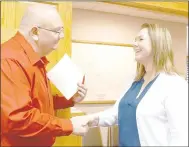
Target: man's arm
{"type": "Point", "coordinates": [19, 115]}
{"type": "Point", "coordinates": [60, 102]}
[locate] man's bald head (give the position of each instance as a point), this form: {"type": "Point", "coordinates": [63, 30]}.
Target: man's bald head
{"type": "Point", "coordinates": [42, 26]}
{"type": "Point", "coordinates": [41, 15]}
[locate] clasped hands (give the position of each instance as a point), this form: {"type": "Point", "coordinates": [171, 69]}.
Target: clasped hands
{"type": "Point", "coordinates": [81, 124]}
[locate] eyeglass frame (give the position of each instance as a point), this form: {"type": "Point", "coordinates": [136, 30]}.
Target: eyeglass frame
{"type": "Point", "coordinates": [62, 28]}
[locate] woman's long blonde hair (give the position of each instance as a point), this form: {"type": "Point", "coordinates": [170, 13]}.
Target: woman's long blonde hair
{"type": "Point", "coordinates": [163, 57]}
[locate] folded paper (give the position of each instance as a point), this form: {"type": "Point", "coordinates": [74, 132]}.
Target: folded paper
{"type": "Point", "coordinates": [65, 75]}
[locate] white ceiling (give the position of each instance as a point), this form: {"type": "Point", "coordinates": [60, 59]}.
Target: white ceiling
{"type": "Point", "coordinates": [124, 10]}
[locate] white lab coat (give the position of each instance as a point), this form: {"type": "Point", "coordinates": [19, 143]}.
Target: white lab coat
{"type": "Point", "coordinates": [162, 114]}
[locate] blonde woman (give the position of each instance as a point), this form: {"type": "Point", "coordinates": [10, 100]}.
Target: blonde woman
{"type": "Point", "coordinates": [153, 111]}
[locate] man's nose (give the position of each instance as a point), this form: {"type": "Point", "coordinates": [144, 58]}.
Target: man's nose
{"type": "Point", "coordinates": [61, 35]}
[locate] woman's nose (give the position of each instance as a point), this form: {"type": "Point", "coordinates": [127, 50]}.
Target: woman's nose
{"type": "Point", "coordinates": [135, 44]}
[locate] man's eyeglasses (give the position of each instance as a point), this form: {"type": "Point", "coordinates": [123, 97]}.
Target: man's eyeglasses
{"type": "Point", "coordinates": [58, 32]}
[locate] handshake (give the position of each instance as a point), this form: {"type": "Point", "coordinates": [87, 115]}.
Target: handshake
{"type": "Point", "coordinates": [81, 124]}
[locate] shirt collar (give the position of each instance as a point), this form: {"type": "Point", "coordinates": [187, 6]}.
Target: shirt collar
{"type": "Point", "coordinates": [32, 55]}
{"type": "Point", "coordinates": [44, 61]}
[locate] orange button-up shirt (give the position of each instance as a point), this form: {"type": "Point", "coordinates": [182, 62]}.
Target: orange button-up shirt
{"type": "Point", "coordinates": [27, 106]}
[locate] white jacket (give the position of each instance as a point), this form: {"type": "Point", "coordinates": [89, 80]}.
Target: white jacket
{"type": "Point", "coordinates": [162, 114]}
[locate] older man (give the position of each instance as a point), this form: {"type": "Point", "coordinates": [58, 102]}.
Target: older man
{"type": "Point", "coordinates": [27, 106]}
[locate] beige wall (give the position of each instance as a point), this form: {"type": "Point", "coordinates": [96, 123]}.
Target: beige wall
{"type": "Point", "coordinates": [107, 27]}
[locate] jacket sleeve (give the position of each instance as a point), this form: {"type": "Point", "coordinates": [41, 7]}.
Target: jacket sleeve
{"type": "Point", "coordinates": [176, 107]}
{"type": "Point", "coordinates": [60, 102]}
{"type": "Point", "coordinates": [109, 116]}
{"type": "Point", "coordinates": [18, 115]}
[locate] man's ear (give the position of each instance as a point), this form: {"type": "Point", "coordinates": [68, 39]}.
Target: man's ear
{"type": "Point", "coordinates": [34, 33]}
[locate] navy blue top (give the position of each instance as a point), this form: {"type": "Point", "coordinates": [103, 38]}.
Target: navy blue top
{"type": "Point", "coordinates": [128, 131]}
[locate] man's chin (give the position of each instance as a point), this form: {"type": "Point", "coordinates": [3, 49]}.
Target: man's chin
{"type": "Point", "coordinates": [55, 47]}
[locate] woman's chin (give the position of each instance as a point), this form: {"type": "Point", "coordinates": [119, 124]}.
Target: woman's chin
{"type": "Point", "coordinates": [139, 59]}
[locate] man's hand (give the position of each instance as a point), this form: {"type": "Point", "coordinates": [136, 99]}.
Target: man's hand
{"type": "Point", "coordinates": [81, 93]}
{"type": "Point", "coordinates": [80, 126]}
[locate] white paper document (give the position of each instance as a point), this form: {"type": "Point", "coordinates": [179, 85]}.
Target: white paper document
{"type": "Point", "coordinates": [65, 75]}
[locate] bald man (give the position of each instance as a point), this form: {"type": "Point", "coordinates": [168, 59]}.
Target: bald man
{"type": "Point", "coordinates": [27, 106]}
